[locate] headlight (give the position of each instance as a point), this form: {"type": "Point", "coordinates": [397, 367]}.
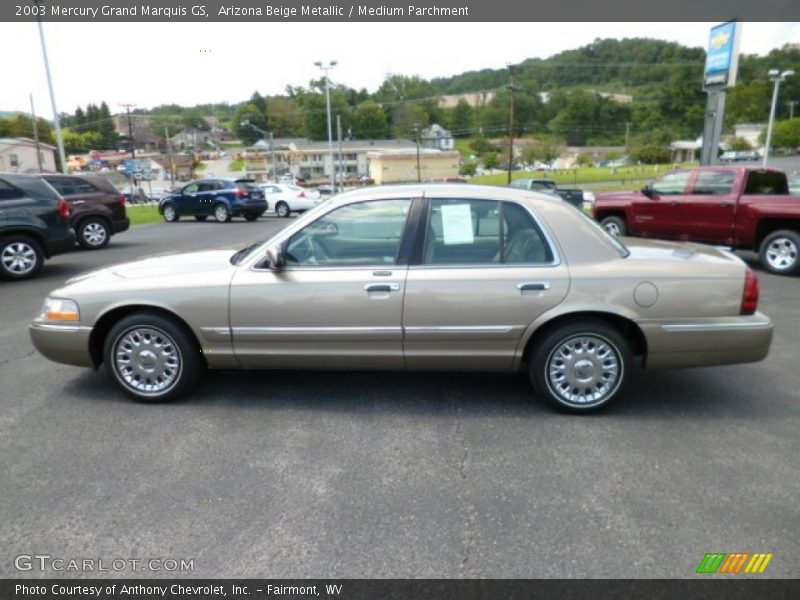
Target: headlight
{"type": "Point", "coordinates": [60, 309]}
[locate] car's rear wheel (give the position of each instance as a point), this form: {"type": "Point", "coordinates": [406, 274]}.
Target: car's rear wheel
{"type": "Point", "coordinates": [200, 217]}
{"type": "Point", "coordinates": [94, 233]}
{"type": "Point", "coordinates": [152, 358]}
{"type": "Point", "coordinates": [780, 252]}
{"type": "Point", "coordinates": [282, 209]}
{"type": "Point", "coordinates": [221, 213]}
{"type": "Point", "coordinates": [580, 366]}
{"type": "Point", "coordinates": [614, 225]}
{"type": "Point", "coordinates": [170, 213]}
{"type": "Point", "coordinates": [21, 257]}
{"type": "Point", "coordinates": [251, 217]}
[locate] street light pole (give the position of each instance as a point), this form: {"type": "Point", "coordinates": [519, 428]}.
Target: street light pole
{"type": "Point", "coordinates": [56, 122]}
{"type": "Point", "coordinates": [777, 76]}
{"type": "Point", "coordinates": [326, 69]}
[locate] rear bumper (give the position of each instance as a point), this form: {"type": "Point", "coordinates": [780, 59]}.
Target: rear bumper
{"type": "Point", "coordinates": [707, 342]}
{"type": "Point", "coordinates": [67, 344]}
{"type": "Point", "coordinates": [256, 208]}
{"type": "Point", "coordinates": [59, 244]}
{"type": "Point", "coordinates": [120, 226]}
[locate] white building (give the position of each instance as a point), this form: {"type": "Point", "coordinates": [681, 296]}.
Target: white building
{"type": "Point", "coordinates": [18, 155]}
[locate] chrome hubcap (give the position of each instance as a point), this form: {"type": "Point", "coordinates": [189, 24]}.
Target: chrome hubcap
{"type": "Point", "coordinates": [94, 234]}
{"type": "Point", "coordinates": [19, 258]}
{"type": "Point", "coordinates": [613, 229]}
{"type": "Point", "coordinates": [781, 253]}
{"type": "Point", "coordinates": [583, 370]}
{"type": "Point", "coordinates": [147, 360]}
{"type": "Point", "coordinates": [283, 210]}
{"type": "Point", "coordinates": [169, 213]}
{"type": "Point", "coordinates": [221, 213]}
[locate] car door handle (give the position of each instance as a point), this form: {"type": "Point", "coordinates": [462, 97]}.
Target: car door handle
{"type": "Point", "coordinates": [725, 204]}
{"type": "Point", "coordinates": [674, 203]}
{"type": "Point", "coordinates": [382, 287]}
{"type": "Point", "coordinates": [79, 202]}
{"type": "Point", "coordinates": [533, 286]}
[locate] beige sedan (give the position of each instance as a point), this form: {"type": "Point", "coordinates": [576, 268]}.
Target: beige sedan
{"type": "Point", "coordinates": [417, 277]}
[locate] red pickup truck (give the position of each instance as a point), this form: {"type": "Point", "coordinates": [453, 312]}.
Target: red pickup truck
{"type": "Point", "coordinates": [741, 207]}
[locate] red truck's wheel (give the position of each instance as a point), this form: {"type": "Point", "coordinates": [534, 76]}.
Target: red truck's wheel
{"type": "Point", "coordinates": [780, 252]}
{"type": "Point", "coordinates": [614, 225]}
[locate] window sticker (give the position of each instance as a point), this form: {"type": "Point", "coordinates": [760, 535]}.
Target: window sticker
{"type": "Point", "coordinates": [457, 224]}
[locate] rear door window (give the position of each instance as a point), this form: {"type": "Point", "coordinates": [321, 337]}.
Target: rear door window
{"type": "Point", "coordinates": [9, 192]}
{"type": "Point", "coordinates": [714, 183]}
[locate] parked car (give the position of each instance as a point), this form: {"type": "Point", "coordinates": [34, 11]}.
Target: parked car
{"type": "Point", "coordinates": [222, 199]}
{"type": "Point", "coordinates": [573, 196]}
{"type": "Point", "coordinates": [327, 190]}
{"type": "Point", "coordinates": [741, 207]}
{"type": "Point", "coordinates": [96, 208]}
{"type": "Point", "coordinates": [739, 156]}
{"type": "Point", "coordinates": [285, 198]}
{"type": "Point", "coordinates": [34, 225]}
{"type": "Point", "coordinates": [416, 277]}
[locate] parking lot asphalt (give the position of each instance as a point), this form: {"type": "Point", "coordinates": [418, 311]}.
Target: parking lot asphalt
{"type": "Point", "coordinates": [331, 474]}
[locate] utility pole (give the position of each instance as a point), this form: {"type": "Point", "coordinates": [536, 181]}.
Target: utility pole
{"type": "Point", "coordinates": [339, 131]}
{"type": "Point", "coordinates": [792, 104]}
{"type": "Point", "coordinates": [128, 108]}
{"type": "Point", "coordinates": [416, 135]}
{"type": "Point", "coordinates": [326, 69]}
{"type": "Point", "coordinates": [56, 122]}
{"type": "Point", "coordinates": [36, 135]}
{"type": "Point", "coordinates": [272, 157]}
{"type": "Point", "coordinates": [512, 87]}
{"type": "Point", "coordinates": [169, 152]}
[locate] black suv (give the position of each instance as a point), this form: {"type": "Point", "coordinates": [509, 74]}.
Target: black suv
{"type": "Point", "coordinates": [34, 224]}
{"type": "Point", "coordinates": [96, 207]}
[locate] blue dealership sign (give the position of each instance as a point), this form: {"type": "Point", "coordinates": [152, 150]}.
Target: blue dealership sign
{"type": "Point", "coordinates": [722, 58]}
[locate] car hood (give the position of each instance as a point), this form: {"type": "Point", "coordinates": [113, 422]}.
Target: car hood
{"type": "Point", "coordinates": [661, 251]}
{"type": "Point", "coordinates": [163, 266]}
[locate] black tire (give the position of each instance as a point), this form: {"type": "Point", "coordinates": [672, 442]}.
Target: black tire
{"type": "Point", "coordinates": [780, 252]}
{"type": "Point", "coordinates": [21, 257]}
{"type": "Point", "coordinates": [170, 352]}
{"type": "Point", "coordinates": [170, 212]}
{"type": "Point", "coordinates": [221, 213]}
{"type": "Point", "coordinates": [581, 353]}
{"type": "Point", "coordinates": [282, 210]}
{"type": "Point", "coordinates": [251, 218]}
{"type": "Point", "coordinates": [614, 225]}
{"type": "Point", "coordinates": [200, 217]}
{"type": "Point", "coordinates": [94, 233]}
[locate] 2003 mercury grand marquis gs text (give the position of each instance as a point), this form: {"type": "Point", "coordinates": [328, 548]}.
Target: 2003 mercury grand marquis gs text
{"type": "Point", "coordinates": [417, 277]}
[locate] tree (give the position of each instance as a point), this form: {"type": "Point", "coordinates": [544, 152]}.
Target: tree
{"type": "Point", "coordinates": [460, 119]}
{"type": "Point", "coordinates": [370, 121]}
{"type": "Point", "coordinates": [407, 119]}
{"type": "Point", "coordinates": [785, 134]}
{"type": "Point", "coordinates": [249, 113]}
{"type": "Point", "coordinates": [21, 125]}
{"type": "Point", "coordinates": [285, 117]}
{"type": "Point", "coordinates": [490, 160]}
{"type": "Point", "coordinates": [740, 144]}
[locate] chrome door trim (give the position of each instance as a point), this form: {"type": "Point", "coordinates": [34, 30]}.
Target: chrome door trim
{"type": "Point", "coordinates": [462, 329]}
{"type": "Point", "coordinates": [313, 330]}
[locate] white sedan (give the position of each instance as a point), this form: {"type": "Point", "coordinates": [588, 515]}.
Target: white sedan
{"type": "Point", "coordinates": [286, 198]}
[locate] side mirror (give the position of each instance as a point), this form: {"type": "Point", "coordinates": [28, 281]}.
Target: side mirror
{"type": "Point", "coordinates": [648, 190]}
{"type": "Point", "coordinates": [275, 259]}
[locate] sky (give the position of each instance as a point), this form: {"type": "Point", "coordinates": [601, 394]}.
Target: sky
{"type": "Point", "coordinates": [197, 63]}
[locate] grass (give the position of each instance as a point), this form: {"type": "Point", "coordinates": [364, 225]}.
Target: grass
{"type": "Point", "coordinates": [635, 173]}
{"type": "Point", "coordinates": [140, 214]}
{"type": "Point", "coordinates": [236, 165]}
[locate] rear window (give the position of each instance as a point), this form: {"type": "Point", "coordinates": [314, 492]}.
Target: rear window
{"type": "Point", "coordinates": [35, 187]}
{"type": "Point", "coordinates": [766, 183]}
{"type": "Point", "coordinates": [249, 186]}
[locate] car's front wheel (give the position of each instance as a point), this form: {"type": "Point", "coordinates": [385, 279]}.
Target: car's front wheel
{"type": "Point", "coordinates": [94, 233]}
{"type": "Point", "coordinates": [21, 257]}
{"type": "Point", "coordinates": [170, 213]}
{"type": "Point", "coordinates": [580, 366]}
{"type": "Point", "coordinates": [780, 252]}
{"type": "Point", "coordinates": [221, 213]}
{"type": "Point", "coordinates": [616, 226]}
{"type": "Point", "coordinates": [152, 358]}
{"type": "Point", "coordinates": [282, 209]}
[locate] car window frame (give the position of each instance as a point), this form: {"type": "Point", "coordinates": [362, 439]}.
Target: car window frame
{"type": "Point", "coordinates": [408, 239]}
{"type": "Point", "coordinates": [417, 259]}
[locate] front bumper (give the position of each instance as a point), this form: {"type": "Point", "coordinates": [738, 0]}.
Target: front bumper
{"type": "Point", "coordinates": [708, 341]}
{"type": "Point", "coordinates": [62, 343]}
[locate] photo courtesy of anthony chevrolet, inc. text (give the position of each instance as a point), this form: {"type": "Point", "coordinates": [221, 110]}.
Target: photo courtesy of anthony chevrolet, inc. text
{"type": "Point", "coordinates": [418, 300]}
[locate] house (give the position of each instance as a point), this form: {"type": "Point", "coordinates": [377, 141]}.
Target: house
{"type": "Point", "coordinates": [400, 166]}
{"type": "Point", "coordinates": [437, 137]}
{"type": "Point", "coordinates": [18, 155]}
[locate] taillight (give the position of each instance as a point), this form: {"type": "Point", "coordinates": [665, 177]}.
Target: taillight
{"type": "Point", "coordinates": [750, 294]}
{"type": "Point", "coordinates": [63, 208]}
{"type": "Point", "coordinates": [301, 195]}
{"type": "Point", "coordinates": [123, 201]}
{"type": "Point", "coordinates": [239, 193]}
